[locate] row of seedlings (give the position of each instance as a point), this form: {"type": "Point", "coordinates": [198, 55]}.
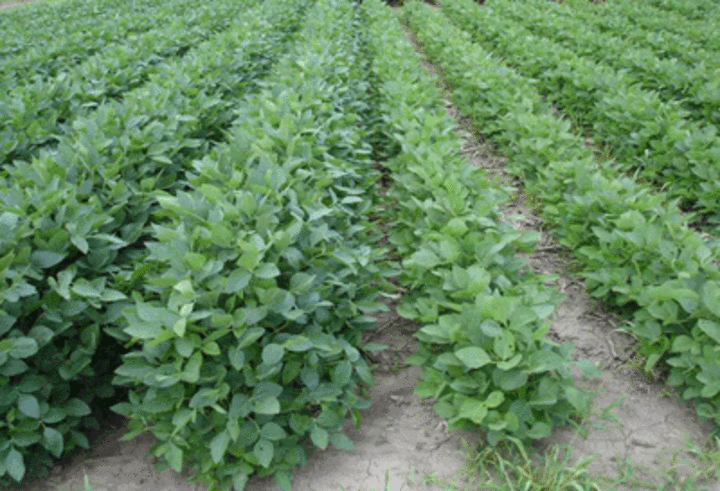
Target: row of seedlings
{"type": "Point", "coordinates": [73, 225]}
{"type": "Point", "coordinates": [37, 114]}
{"type": "Point", "coordinates": [247, 328]}
{"type": "Point", "coordinates": [71, 45]}
{"type": "Point", "coordinates": [648, 137]}
{"type": "Point", "coordinates": [636, 251]}
{"type": "Point", "coordinates": [483, 317]}
{"type": "Point", "coordinates": [692, 83]}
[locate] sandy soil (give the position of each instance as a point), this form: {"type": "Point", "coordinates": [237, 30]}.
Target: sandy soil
{"type": "Point", "coordinates": [9, 5]}
{"type": "Point", "coordinates": [401, 438]}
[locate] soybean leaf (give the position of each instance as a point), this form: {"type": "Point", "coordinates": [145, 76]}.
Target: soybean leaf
{"type": "Point", "coordinates": [29, 406]}
{"type": "Point", "coordinates": [53, 441]}
{"type": "Point", "coordinates": [15, 464]}
{"type": "Point", "coordinates": [218, 446]}
{"type": "Point", "coordinates": [264, 452]}
{"type": "Point", "coordinates": [320, 437]}
{"type": "Point", "coordinates": [473, 357]}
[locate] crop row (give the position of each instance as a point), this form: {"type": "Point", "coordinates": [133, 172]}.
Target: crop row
{"type": "Point", "coordinates": [271, 257]}
{"type": "Point", "coordinates": [37, 114]}
{"type": "Point", "coordinates": [483, 319]}
{"type": "Point", "coordinates": [635, 249]}
{"type": "Point", "coordinates": [692, 9]}
{"type": "Point", "coordinates": [74, 220]}
{"type": "Point", "coordinates": [647, 136]}
{"type": "Point", "coordinates": [74, 45]}
{"type": "Point", "coordinates": [38, 23]}
{"type": "Point", "coordinates": [696, 87]}
{"type": "Point", "coordinates": [664, 30]}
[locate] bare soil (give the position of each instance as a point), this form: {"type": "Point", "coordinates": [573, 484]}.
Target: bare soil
{"type": "Point", "coordinates": [401, 438]}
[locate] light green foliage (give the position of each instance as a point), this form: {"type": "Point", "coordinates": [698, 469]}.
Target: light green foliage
{"type": "Point", "coordinates": [636, 251]}
{"type": "Point", "coordinates": [482, 343]}
{"type": "Point", "coordinates": [75, 219]}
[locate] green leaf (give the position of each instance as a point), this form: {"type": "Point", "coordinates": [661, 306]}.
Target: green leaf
{"type": "Point", "coordinates": [264, 452]}
{"type": "Point", "coordinates": [512, 380]}
{"type": "Point", "coordinates": [203, 398]}
{"type": "Point", "coordinates": [474, 410]}
{"type": "Point", "coordinates": [29, 406]}
{"type": "Point", "coordinates": [237, 357]}
{"type": "Point", "coordinates": [174, 457]}
{"type": "Point", "coordinates": [195, 260]}
{"type": "Point", "coordinates": [76, 407]}
{"type": "Point", "coordinates": [53, 441]}
{"type": "Point", "coordinates": [267, 271]}
{"type": "Point", "coordinates": [504, 345]}
{"type": "Point", "coordinates": [22, 347]}
{"type": "Point", "coordinates": [15, 464]}
{"type": "Point", "coordinates": [495, 398]}
{"type": "Point", "coordinates": [272, 431]}
{"type": "Point", "coordinates": [143, 331]}
{"type": "Point", "coordinates": [268, 405]}
{"type": "Point", "coordinates": [710, 328]}
{"type": "Point", "coordinates": [250, 336]}
{"type": "Point", "coordinates": [237, 281]}
{"type": "Point", "coordinates": [341, 373]}
{"type": "Point", "coordinates": [539, 430]}
{"type": "Point", "coordinates": [218, 446]}
{"type": "Point", "coordinates": [711, 297]}
{"type": "Point", "coordinates": [46, 259]}
{"type": "Point", "coordinates": [320, 437]}
{"type": "Point", "coordinates": [340, 440]}
{"type": "Point", "coordinates": [473, 357]}
{"type": "Point", "coordinates": [310, 377]}
{"type": "Point", "coordinates": [545, 361]}
{"type": "Point", "coordinates": [272, 354]}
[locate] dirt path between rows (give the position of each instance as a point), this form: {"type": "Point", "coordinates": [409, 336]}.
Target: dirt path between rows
{"type": "Point", "coordinates": [401, 439]}
{"type": "Point", "coordinates": [9, 5]}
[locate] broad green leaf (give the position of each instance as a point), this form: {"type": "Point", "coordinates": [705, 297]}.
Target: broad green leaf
{"type": "Point", "coordinates": [237, 281]}
{"type": "Point", "coordinates": [237, 357]}
{"type": "Point", "coordinates": [588, 368]}
{"type": "Point", "coordinates": [264, 452]}
{"type": "Point", "coordinates": [710, 328]}
{"type": "Point", "coordinates": [512, 380]}
{"type": "Point", "coordinates": [473, 357]}
{"type": "Point", "coordinates": [539, 430]}
{"type": "Point", "coordinates": [76, 407]}
{"type": "Point", "coordinates": [320, 437]}
{"type": "Point", "coordinates": [218, 446]}
{"type": "Point", "coordinates": [474, 410]}
{"type": "Point", "coordinates": [711, 297]}
{"type": "Point", "coordinates": [504, 345]}
{"type": "Point", "coordinates": [272, 431]}
{"type": "Point", "coordinates": [22, 347]}
{"type": "Point", "coordinates": [340, 440]}
{"type": "Point", "coordinates": [143, 331]}
{"type": "Point", "coordinates": [267, 271]}
{"type": "Point", "coordinates": [174, 457]}
{"type": "Point", "coordinates": [53, 441]}
{"type": "Point", "coordinates": [15, 464]}
{"type": "Point", "coordinates": [46, 259]}
{"type": "Point", "coordinates": [195, 260]}
{"type": "Point", "coordinates": [272, 354]}
{"type": "Point", "coordinates": [250, 336]}
{"type": "Point", "coordinates": [268, 405]}
{"type": "Point", "coordinates": [29, 406]}
{"type": "Point", "coordinates": [204, 398]}
{"type": "Point", "coordinates": [342, 372]}
{"type": "Point", "coordinates": [511, 363]}
{"type": "Point", "coordinates": [494, 399]}
{"type": "Point", "coordinates": [310, 377]}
